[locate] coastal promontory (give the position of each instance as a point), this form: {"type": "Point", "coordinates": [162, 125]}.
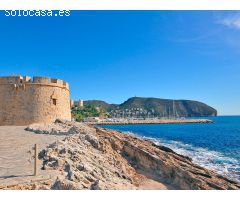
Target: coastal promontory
{"type": "Point", "coordinates": [155, 107]}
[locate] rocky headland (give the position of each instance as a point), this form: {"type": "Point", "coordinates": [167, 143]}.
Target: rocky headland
{"type": "Point", "coordinates": [97, 158]}
{"type": "Point", "coordinates": [143, 107]}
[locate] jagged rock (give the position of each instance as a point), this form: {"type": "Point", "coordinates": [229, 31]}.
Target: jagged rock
{"type": "Point", "coordinates": [62, 121]}
{"type": "Point", "coordinates": [50, 164]}
{"type": "Point", "coordinates": [81, 166]}
{"type": "Point", "coordinates": [53, 129]}
{"type": "Point", "coordinates": [41, 154]}
{"type": "Point", "coordinates": [97, 185]}
{"type": "Point", "coordinates": [62, 151]}
{"type": "Point", "coordinates": [92, 140]}
{"type": "Point", "coordinates": [71, 175]}
{"type": "Point", "coordinates": [95, 175]}
{"type": "Point", "coordinates": [73, 130]}
{"type": "Point", "coordinates": [97, 158]}
{"type": "Point", "coordinates": [63, 184]}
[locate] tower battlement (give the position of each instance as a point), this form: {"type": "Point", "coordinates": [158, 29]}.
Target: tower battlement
{"type": "Point", "coordinates": [25, 100]}
{"type": "Point", "coordinates": [35, 80]}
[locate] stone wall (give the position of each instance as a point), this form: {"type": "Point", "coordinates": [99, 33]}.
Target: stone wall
{"type": "Point", "coordinates": [25, 101]}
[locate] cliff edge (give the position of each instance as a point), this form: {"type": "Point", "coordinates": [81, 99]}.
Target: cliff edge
{"type": "Point", "coordinates": [98, 158]}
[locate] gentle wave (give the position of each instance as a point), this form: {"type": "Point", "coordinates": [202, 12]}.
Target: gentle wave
{"type": "Point", "coordinates": [204, 157]}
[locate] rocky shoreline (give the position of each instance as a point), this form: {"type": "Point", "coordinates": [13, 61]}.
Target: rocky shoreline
{"type": "Point", "coordinates": [98, 158]}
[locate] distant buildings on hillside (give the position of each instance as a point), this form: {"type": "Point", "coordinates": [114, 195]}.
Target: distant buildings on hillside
{"type": "Point", "coordinates": [133, 113]}
{"type": "Point", "coordinates": [122, 113]}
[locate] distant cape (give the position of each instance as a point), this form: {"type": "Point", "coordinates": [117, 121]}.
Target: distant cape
{"type": "Point", "coordinates": [158, 107]}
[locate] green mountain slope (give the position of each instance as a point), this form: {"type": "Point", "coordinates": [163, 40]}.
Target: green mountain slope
{"type": "Point", "coordinates": [101, 104]}
{"type": "Point", "coordinates": [156, 107]}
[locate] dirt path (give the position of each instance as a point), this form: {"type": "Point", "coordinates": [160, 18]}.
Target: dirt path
{"type": "Point", "coordinates": [16, 151]}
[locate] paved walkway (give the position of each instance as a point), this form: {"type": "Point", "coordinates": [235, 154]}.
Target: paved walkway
{"type": "Point", "coordinates": [16, 154]}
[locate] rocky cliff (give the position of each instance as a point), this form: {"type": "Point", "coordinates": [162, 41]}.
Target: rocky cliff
{"type": "Point", "coordinates": [98, 158]}
{"type": "Point", "coordinates": [159, 107]}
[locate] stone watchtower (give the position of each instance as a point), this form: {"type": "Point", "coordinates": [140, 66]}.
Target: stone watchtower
{"type": "Point", "coordinates": [24, 101]}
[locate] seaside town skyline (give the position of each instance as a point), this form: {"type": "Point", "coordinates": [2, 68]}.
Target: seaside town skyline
{"type": "Point", "coordinates": [112, 56]}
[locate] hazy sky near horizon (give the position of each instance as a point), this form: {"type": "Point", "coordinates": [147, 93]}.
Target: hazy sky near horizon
{"type": "Point", "coordinates": [114, 55]}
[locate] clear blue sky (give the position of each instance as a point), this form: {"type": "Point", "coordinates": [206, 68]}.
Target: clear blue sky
{"type": "Point", "coordinates": [114, 55]}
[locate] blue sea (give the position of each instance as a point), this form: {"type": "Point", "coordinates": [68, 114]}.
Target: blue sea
{"type": "Point", "coordinates": [215, 146]}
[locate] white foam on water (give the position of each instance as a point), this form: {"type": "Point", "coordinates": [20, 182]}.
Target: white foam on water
{"type": "Point", "coordinates": [212, 160]}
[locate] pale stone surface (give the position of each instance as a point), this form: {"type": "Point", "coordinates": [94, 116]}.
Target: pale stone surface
{"type": "Point", "coordinates": [98, 158]}
{"type": "Point", "coordinates": [24, 101]}
{"type": "Point", "coordinates": [16, 153]}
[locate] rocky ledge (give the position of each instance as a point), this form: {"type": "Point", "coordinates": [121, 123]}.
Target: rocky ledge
{"type": "Point", "coordinates": [98, 158]}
